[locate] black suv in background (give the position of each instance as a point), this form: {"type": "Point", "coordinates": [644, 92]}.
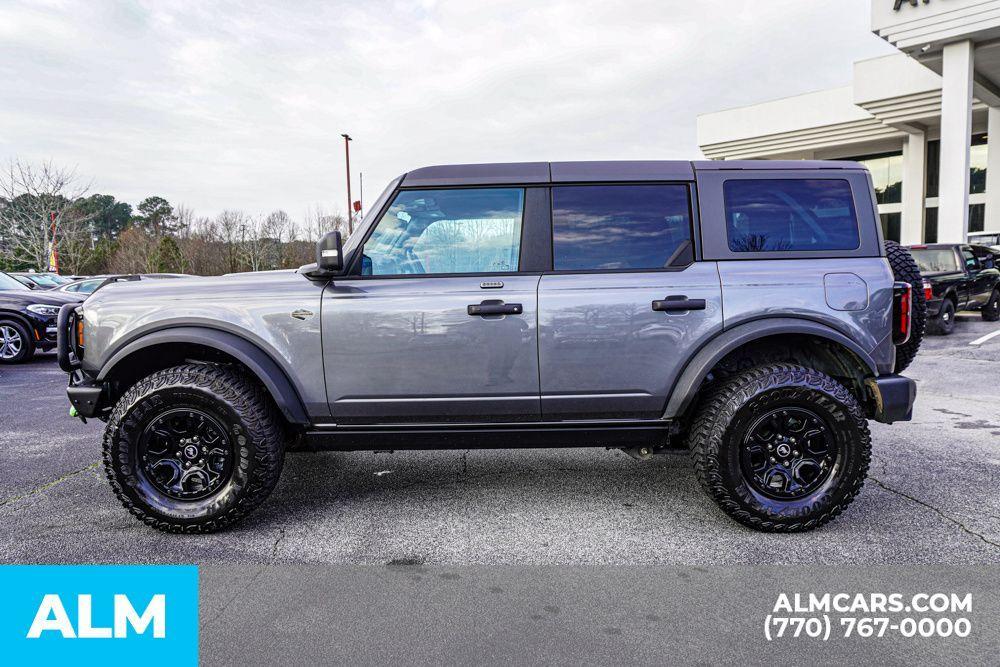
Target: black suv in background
{"type": "Point", "coordinates": [27, 319]}
{"type": "Point", "coordinates": [957, 277]}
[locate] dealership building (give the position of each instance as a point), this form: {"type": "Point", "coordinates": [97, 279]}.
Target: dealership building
{"type": "Point", "coordinates": [925, 121]}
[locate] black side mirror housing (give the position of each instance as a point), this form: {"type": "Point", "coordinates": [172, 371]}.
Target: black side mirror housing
{"type": "Point", "coordinates": [330, 253]}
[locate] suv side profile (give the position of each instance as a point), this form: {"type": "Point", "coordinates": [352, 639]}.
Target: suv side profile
{"type": "Point", "coordinates": [746, 310]}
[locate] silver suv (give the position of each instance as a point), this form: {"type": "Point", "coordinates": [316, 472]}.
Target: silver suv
{"type": "Point", "coordinates": [748, 311]}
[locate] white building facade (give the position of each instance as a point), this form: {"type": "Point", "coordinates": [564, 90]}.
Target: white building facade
{"type": "Point", "coordinates": [921, 120]}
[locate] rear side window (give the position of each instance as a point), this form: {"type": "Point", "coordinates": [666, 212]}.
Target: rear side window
{"type": "Point", "coordinates": [775, 215]}
{"type": "Point", "coordinates": [620, 227]}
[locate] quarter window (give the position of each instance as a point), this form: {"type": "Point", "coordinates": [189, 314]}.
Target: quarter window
{"type": "Point", "coordinates": [620, 227]}
{"type": "Point", "coordinates": [447, 231]}
{"type": "Point", "coordinates": [774, 215]}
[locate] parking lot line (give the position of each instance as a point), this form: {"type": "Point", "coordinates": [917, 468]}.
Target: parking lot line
{"type": "Point", "coordinates": [980, 341]}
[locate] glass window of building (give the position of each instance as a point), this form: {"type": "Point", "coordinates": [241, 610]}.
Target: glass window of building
{"type": "Point", "coordinates": [977, 217]}
{"type": "Point", "coordinates": [977, 165]}
{"type": "Point", "coordinates": [930, 225]}
{"type": "Point", "coordinates": [887, 175]}
{"type": "Point", "coordinates": [891, 223]}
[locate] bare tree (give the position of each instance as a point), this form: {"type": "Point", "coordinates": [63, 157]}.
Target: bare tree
{"type": "Point", "coordinates": [319, 222]}
{"type": "Point", "coordinates": [36, 200]}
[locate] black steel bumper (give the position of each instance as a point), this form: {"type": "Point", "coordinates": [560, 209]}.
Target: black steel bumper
{"type": "Point", "coordinates": [894, 397]}
{"type": "Point", "coordinates": [85, 394]}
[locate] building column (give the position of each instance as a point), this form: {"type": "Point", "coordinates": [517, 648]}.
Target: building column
{"type": "Point", "coordinates": [956, 135]}
{"type": "Point", "coordinates": [914, 183]}
{"type": "Point", "coordinates": [993, 167]}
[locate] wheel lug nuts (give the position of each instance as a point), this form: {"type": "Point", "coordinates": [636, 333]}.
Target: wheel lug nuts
{"type": "Point", "coordinates": [784, 463]}
{"type": "Point", "coordinates": [795, 453]}
{"type": "Point", "coordinates": [773, 460]}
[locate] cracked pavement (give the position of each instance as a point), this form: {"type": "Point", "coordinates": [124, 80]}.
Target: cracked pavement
{"type": "Point", "coordinates": [932, 496]}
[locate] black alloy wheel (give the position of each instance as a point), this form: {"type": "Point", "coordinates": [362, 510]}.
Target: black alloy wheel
{"type": "Point", "coordinates": [788, 453]}
{"type": "Point", "coordinates": [185, 454]}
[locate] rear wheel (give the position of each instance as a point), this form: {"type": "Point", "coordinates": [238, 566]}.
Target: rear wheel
{"type": "Point", "coordinates": [16, 343]}
{"type": "Point", "coordinates": [193, 448]}
{"type": "Point", "coordinates": [991, 311]}
{"type": "Point", "coordinates": [944, 323]}
{"type": "Point", "coordinates": [781, 447]}
{"type": "Point", "coordinates": [905, 269]}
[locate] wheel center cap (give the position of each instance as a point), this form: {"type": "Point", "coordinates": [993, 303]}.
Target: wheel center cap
{"type": "Point", "coordinates": [190, 452]}
{"type": "Point", "coordinates": [784, 450]}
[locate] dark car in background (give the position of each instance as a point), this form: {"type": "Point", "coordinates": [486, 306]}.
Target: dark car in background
{"type": "Point", "coordinates": [43, 280]}
{"type": "Point", "coordinates": [27, 319]}
{"type": "Point", "coordinates": [957, 276]}
{"type": "Point", "coordinates": [88, 286]}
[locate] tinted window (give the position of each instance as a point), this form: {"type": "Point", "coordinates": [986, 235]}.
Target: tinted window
{"type": "Point", "coordinates": [772, 215]}
{"type": "Point", "coordinates": [447, 231]}
{"type": "Point", "coordinates": [620, 227]}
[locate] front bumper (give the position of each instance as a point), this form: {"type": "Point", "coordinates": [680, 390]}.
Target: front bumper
{"type": "Point", "coordinates": [85, 394]}
{"type": "Point", "coordinates": [894, 398]}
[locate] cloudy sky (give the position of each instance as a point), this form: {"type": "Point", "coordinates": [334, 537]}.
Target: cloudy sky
{"type": "Point", "coordinates": [241, 104]}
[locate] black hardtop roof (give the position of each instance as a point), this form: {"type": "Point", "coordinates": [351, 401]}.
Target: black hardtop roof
{"type": "Point", "coordinates": [607, 171]}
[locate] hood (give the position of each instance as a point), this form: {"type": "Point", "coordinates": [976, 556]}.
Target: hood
{"type": "Point", "coordinates": [214, 287]}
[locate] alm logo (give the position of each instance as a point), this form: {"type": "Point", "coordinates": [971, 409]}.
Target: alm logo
{"type": "Point", "coordinates": [99, 614]}
{"type": "Point", "coordinates": [52, 617]}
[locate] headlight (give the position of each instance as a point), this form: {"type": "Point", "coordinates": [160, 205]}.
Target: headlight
{"type": "Point", "coordinates": [44, 310]}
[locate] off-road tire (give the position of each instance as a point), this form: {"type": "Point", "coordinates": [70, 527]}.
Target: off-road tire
{"type": "Point", "coordinates": [249, 418]}
{"type": "Point", "coordinates": [944, 323]}
{"type": "Point", "coordinates": [27, 342]}
{"type": "Point", "coordinates": [991, 311]}
{"type": "Point", "coordinates": [723, 417]}
{"type": "Point", "coordinates": [905, 269]}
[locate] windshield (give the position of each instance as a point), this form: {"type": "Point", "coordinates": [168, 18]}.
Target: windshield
{"type": "Point", "coordinates": [6, 282]}
{"type": "Point", "coordinates": [935, 260]}
{"type": "Point", "coordinates": [41, 280]}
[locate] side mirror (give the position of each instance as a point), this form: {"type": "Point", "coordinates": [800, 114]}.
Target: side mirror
{"type": "Point", "coordinates": [330, 253]}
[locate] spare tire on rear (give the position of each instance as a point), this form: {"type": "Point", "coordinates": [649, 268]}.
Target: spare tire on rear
{"type": "Point", "coordinates": [905, 269]}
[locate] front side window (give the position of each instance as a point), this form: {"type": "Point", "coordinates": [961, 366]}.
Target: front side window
{"type": "Point", "coordinates": [620, 227]}
{"type": "Point", "coordinates": [447, 231]}
{"type": "Point", "coordinates": [774, 215]}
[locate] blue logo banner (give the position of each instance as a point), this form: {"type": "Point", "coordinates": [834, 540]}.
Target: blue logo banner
{"type": "Point", "coordinates": [84, 614]}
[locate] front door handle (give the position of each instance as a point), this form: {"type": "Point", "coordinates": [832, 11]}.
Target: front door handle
{"type": "Point", "coordinates": [495, 307]}
{"type": "Point", "coordinates": [678, 302]}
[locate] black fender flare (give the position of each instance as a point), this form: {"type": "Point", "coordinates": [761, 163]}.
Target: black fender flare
{"type": "Point", "coordinates": [686, 387]}
{"type": "Point", "coordinates": [257, 360]}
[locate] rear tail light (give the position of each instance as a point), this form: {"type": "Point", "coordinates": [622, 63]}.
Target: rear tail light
{"type": "Point", "coordinates": [902, 312]}
{"type": "Point", "coordinates": [928, 291]}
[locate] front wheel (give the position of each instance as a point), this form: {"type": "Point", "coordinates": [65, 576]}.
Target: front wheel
{"type": "Point", "coordinates": [193, 448]}
{"type": "Point", "coordinates": [16, 343]}
{"type": "Point", "coordinates": [780, 447]}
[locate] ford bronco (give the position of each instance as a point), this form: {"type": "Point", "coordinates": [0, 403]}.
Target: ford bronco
{"type": "Point", "coordinates": [749, 311]}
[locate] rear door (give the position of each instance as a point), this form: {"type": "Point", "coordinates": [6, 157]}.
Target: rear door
{"type": "Point", "coordinates": [440, 325]}
{"type": "Point", "coordinates": [625, 304]}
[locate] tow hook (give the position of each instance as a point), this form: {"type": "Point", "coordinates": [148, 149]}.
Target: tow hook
{"type": "Point", "coordinates": [74, 413]}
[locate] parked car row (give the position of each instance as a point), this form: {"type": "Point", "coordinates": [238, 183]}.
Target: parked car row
{"type": "Point", "coordinates": [958, 277]}
{"type": "Point", "coordinates": [30, 302]}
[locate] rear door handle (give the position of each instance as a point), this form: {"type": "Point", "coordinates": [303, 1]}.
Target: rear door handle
{"type": "Point", "coordinates": [678, 302]}
{"type": "Point", "coordinates": [495, 307]}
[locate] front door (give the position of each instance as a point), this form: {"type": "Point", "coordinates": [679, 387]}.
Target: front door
{"type": "Point", "coordinates": [440, 326]}
{"type": "Point", "coordinates": [626, 304]}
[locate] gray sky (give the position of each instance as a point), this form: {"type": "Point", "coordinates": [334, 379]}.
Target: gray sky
{"type": "Point", "coordinates": [241, 104]}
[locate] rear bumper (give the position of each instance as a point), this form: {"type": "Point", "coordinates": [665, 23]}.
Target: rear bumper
{"type": "Point", "coordinates": [894, 398]}
{"type": "Point", "coordinates": [934, 307]}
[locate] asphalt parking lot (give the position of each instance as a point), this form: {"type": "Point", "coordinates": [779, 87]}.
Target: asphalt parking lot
{"type": "Point", "coordinates": [932, 495]}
